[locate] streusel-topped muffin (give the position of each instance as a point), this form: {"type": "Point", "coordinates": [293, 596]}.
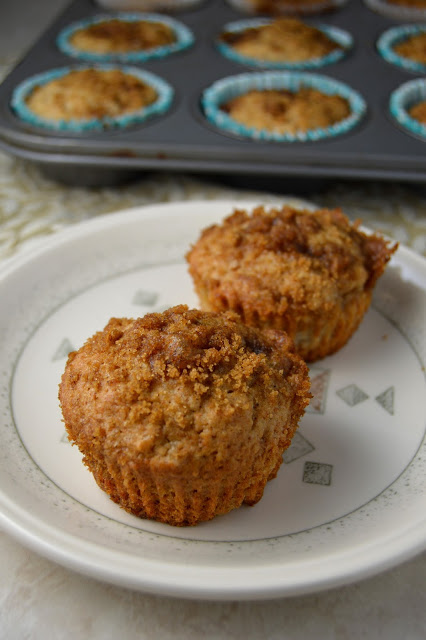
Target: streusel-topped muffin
{"type": "Point", "coordinates": [121, 36]}
{"type": "Point", "coordinates": [183, 415]}
{"type": "Point", "coordinates": [281, 40]}
{"type": "Point", "coordinates": [310, 274]}
{"type": "Point", "coordinates": [90, 93]}
{"type": "Point", "coordinates": [284, 111]}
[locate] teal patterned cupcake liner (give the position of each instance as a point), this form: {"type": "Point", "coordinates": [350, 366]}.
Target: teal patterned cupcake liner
{"type": "Point", "coordinates": [394, 36]}
{"type": "Point", "coordinates": [184, 38]}
{"type": "Point", "coordinates": [342, 38]}
{"type": "Point", "coordinates": [406, 96]}
{"type": "Point", "coordinates": [228, 88]}
{"type": "Point", "coordinates": [395, 11]}
{"type": "Point", "coordinates": [160, 106]}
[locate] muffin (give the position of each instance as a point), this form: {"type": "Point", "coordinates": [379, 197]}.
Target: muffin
{"type": "Point", "coordinates": [287, 7]}
{"type": "Point", "coordinates": [282, 106]}
{"type": "Point", "coordinates": [128, 37]}
{"type": "Point", "coordinates": [404, 46]}
{"type": "Point", "coordinates": [407, 107]}
{"type": "Point", "coordinates": [183, 415]}
{"type": "Point", "coordinates": [399, 9]}
{"type": "Point", "coordinates": [310, 274]}
{"type": "Point", "coordinates": [286, 112]}
{"type": "Point", "coordinates": [282, 42]}
{"type": "Point", "coordinates": [91, 98]}
{"type": "Point", "coordinates": [418, 112]}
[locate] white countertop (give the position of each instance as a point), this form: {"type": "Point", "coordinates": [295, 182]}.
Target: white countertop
{"type": "Point", "coordinates": [40, 599]}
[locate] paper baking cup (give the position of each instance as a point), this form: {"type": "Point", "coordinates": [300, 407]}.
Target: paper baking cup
{"type": "Point", "coordinates": [343, 38]}
{"type": "Point", "coordinates": [160, 106]}
{"type": "Point", "coordinates": [402, 99]}
{"type": "Point", "coordinates": [184, 38]}
{"type": "Point", "coordinates": [289, 8]}
{"type": "Point", "coordinates": [228, 88]}
{"type": "Point", "coordinates": [394, 36]}
{"type": "Point", "coordinates": [396, 12]}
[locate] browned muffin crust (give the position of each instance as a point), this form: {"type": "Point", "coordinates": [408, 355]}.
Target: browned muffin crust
{"type": "Point", "coordinates": [183, 415]}
{"type": "Point", "coordinates": [277, 7]}
{"type": "Point", "coordinates": [418, 112]}
{"type": "Point", "coordinates": [121, 36]}
{"type": "Point", "coordinates": [90, 93]}
{"type": "Point", "coordinates": [308, 273]}
{"type": "Point", "coordinates": [284, 39]}
{"type": "Point", "coordinates": [413, 47]}
{"type": "Point", "coordinates": [283, 111]}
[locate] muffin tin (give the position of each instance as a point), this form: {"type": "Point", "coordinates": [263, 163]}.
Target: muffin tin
{"type": "Point", "coordinates": [183, 140]}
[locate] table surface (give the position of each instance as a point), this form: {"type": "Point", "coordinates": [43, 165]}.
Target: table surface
{"type": "Point", "coordinates": [40, 599]}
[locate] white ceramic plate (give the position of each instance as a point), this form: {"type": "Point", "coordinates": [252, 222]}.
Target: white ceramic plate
{"type": "Point", "coordinates": [350, 499]}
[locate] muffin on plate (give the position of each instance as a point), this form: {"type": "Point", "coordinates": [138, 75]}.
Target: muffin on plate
{"type": "Point", "coordinates": [285, 42]}
{"type": "Point", "coordinates": [282, 106]}
{"type": "Point", "coordinates": [76, 99]}
{"type": "Point", "coordinates": [128, 37]}
{"type": "Point", "coordinates": [183, 415]}
{"type": "Point", "coordinates": [309, 273]}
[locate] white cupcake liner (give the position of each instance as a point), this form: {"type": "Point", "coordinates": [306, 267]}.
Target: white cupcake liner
{"type": "Point", "coordinates": [407, 95]}
{"type": "Point", "coordinates": [343, 38]}
{"type": "Point", "coordinates": [22, 91]}
{"type": "Point", "coordinates": [228, 88]}
{"type": "Point", "coordinates": [394, 11]}
{"type": "Point", "coordinates": [184, 39]}
{"type": "Point", "coordinates": [149, 5]}
{"type": "Point", "coordinates": [392, 37]}
{"type": "Point", "coordinates": [290, 8]}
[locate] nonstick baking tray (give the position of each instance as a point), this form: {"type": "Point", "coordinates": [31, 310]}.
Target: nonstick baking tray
{"type": "Point", "coordinates": [182, 140]}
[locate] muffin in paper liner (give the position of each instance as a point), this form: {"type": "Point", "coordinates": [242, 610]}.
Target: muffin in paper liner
{"type": "Point", "coordinates": [337, 35]}
{"type": "Point", "coordinates": [164, 97]}
{"type": "Point", "coordinates": [149, 5]}
{"type": "Point", "coordinates": [402, 100]}
{"type": "Point", "coordinates": [286, 7]}
{"type": "Point", "coordinates": [308, 273]}
{"type": "Point", "coordinates": [183, 415]}
{"type": "Point", "coordinates": [225, 89]}
{"type": "Point", "coordinates": [395, 36]}
{"type": "Point", "coordinates": [397, 11]}
{"type": "Point", "coordinates": [184, 38]}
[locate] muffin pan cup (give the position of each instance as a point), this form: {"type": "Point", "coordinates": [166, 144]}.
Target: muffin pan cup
{"type": "Point", "coordinates": [182, 138]}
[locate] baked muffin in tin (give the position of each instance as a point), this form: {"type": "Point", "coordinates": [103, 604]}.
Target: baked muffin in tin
{"type": "Point", "coordinates": [407, 107]}
{"type": "Point", "coordinates": [183, 415]}
{"type": "Point", "coordinates": [282, 106]}
{"type": "Point", "coordinates": [77, 99]}
{"type": "Point", "coordinates": [283, 42]}
{"type": "Point", "coordinates": [286, 7]}
{"type": "Point", "coordinates": [405, 47]}
{"type": "Point", "coordinates": [308, 273]}
{"type": "Point", "coordinates": [124, 37]}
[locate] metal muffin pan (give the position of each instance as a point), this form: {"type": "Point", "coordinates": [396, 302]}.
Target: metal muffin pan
{"type": "Point", "coordinates": [182, 139]}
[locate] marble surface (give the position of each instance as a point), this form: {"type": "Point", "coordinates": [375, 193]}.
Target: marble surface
{"type": "Point", "coordinates": [39, 599]}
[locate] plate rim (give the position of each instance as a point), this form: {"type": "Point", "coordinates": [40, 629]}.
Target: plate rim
{"type": "Point", "coordinates": [66, 549]}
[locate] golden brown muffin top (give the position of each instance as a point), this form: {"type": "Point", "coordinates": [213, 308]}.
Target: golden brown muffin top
{"type": "Point", "coordinates": [120, 36]}
{"type": "Point", "coordinates": [418, 112]}
{"type": "Point", "coordinates": [283, 111]}
{"type": "Point", "coordinates": [90, 93]}
{"type": "Point", "coordinates": [178, 385]}
{"type": "Point", "coordinates": [284, 39]}
{"type": "Point", "coordinates": [285, 257]}
{"type": "Point", "coordinates": [413, 47]}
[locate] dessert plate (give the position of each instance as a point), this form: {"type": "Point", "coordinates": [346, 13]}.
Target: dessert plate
{"type": "Point", "coordinates": [350, 498]}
